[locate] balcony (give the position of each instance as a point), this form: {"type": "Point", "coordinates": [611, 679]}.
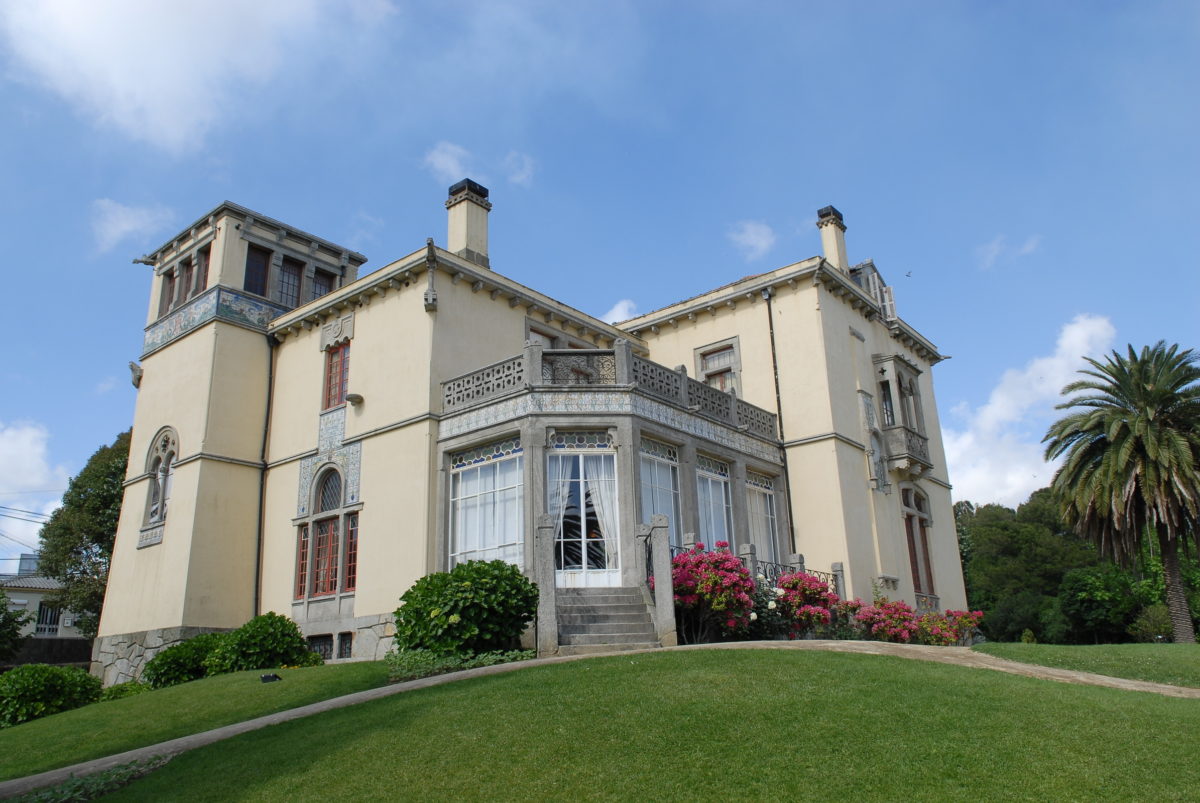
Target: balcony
{"type": "Point", "coordinates": [907, 449]}
{"type": "Point", "coordinates": [605, 369]}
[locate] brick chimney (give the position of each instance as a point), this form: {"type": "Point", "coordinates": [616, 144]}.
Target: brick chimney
{"type": "Point", "coordinates": [467, 224]}
{"type": "Point", "coordinates": [833, 237]}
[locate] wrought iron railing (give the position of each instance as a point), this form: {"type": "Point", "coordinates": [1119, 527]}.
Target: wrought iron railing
{"type": "Point", "coordinates": [579, 367]}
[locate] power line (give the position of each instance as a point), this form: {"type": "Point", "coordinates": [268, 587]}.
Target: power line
{"type": "Point", "coordinates": [32, 493]}
{"type": "Point", "coordinates": [29, 512]}
{"type": "Point", "coordinates": [23, 518]}
{"type": "Point", "coordinates": [15, 541]}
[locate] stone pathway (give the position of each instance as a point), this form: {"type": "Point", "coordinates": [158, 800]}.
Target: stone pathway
{"type": "Point", "coordinates": [960, 656]}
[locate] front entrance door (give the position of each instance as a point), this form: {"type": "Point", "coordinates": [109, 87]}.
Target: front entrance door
{"type": "Point", "coordinates": [581, 494]}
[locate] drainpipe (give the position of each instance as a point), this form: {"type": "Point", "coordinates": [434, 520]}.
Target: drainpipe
{"type": "Point", "coordinates": [767, 294]}
{"type": "Point", "coordinates": [262, 477]}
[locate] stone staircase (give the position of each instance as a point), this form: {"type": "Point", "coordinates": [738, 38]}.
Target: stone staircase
{"type": "Point", "coordinates": [603, 620]}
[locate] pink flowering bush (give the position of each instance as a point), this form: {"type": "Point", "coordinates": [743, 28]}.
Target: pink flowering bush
{"type": "Point", "coordinates": [843, 621]}
{"type": "Point", "coordinates": [806, 601]}
{"type": "Point", "coordinates": [712, 593]}
{"type": "Point", "coordinates": [889, 621]}
{"type": "Point", "coordinates": [944, 630]}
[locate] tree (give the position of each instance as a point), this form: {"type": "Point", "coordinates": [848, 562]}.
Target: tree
{"type": "Point", "coordinates": [11, 623]}
{"type": "Point", "coordinates": [1132, 459]}
{"type": "Point", "coordinates": [77, 542]}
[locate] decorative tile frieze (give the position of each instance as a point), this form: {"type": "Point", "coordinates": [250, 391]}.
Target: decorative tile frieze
{"type": "Point", "coordinates": [220, 303]}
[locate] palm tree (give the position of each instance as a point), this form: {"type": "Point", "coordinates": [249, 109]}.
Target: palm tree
{"type": "Point", "coordinates": [1132, 460]}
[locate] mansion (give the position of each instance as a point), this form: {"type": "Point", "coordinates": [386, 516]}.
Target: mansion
{"type": "Point", "coordinates": [311, 442]}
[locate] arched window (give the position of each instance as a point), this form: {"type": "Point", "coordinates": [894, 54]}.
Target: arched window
{"type": "Point", "coordinates": [327, 545]}
{"type": "Point", "coordinates": [916, 530]}
{"type": "Point", "coordinates": [160, 466]}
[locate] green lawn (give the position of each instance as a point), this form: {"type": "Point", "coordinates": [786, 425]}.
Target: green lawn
{"type": "Point", "coordinates": [103, 729]}
{"type": "Point", "coordinates": [1176, 664]}
{"type": "Point", "coordinates": [715, 725]}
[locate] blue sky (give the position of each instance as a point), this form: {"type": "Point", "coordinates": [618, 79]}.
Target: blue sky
{"type": "Point", "coordinates": [1023, 173]}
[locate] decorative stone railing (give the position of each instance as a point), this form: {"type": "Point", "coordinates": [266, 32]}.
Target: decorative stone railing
{"type": "Point", "coordinates": [612, 367]}
{"type": "Point", "coordinates": [494, 380]}
{"type": "Point", "coordinates": [904, 443]}
{"type": "Point", "coordinates": [928, 603]}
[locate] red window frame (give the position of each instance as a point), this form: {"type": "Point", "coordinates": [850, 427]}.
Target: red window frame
{"type": "Point", "coordinates": [325, 558]}
{"type": "Point", "coordinates": [351, 553]}
{"type": "Point", "coordinates": [302, 562]}
{"type": "Point", "coordinates": [337, 373]}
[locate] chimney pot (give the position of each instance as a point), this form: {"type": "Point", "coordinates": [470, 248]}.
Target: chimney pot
{"type": "Point", "coordinates": [833, 236]}
{"type": "Point", "coordinates": [467, 221]}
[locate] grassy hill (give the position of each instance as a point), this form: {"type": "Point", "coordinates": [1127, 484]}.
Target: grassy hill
{"type": "Point", "coordinates": [708, 725]}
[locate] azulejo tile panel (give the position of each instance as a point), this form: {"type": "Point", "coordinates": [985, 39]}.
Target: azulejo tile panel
{"type": "Point", "coordinates": [199, 310]}
{"type": "Point", "coordinates": [246, 310]}
{"type": "Point", "coordinates": [348, 459]}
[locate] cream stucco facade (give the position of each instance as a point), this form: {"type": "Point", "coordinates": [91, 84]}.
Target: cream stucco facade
{"type": "Point", "coordinates": [311, 442]}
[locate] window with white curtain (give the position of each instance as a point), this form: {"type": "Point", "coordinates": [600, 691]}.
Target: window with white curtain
{"type": "Point", "coordinates": [659, 471]}
{"type": "Point", "coordinates": [716, 511]}
{"type": "Point", "coordinates": [760, 501]}
{"type": "Point", "coordinates": [581, 496]}
{"type": "Point", "coordinates": [487, 519]}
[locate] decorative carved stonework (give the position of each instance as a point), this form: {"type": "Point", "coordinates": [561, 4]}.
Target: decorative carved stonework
{"type": "Point", "coordinates": [337, 330]}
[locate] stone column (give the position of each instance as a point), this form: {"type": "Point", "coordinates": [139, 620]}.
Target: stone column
{"type": "Point", "coordinates": [747, 553]}
{"type": "Point", "coordinates": [664, 595]}
{"type": "Point", "coordinates": [533, 363]}
{"type": "Point", "coordinates": [543, 561]}
{"type": "Point", "coordinates": [623, 356]}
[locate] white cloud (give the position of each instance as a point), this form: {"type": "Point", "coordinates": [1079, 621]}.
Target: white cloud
{"type": "Point", "coordinates": [754, 238]}
{"type": "Point", "coordinates": [167, 73]}
{"type": "Point", "coordinates": [113, 222]}
{"type": "Point", "coordinates": [623, 310]}
{"type": "Point", "coordinates": [105, 385]}
{"type": "Point", "coordinates": [988, 254]}
{"type": "Point", "coordinates": [448, 162]}
{"type": "Point", "coordinates": [997, 457]}
{"type": "Point", "coordinates": [1031, 244]}
{"type": "Point", "coordinates": [519, 167]}
{"type": "Point", "coordinates": [24, 468]}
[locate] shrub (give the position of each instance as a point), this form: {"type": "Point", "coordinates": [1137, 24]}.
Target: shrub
{"type": "Point", "coordinates": [120, 691]}
{"type": "Point", "coordinates": [37, 690]}
{"type": "Point", "coordinates": [713, 593]}
{"type": "Point", "coordinates": [1152, 624]}
{"type": "Point", "coordinates": [889, 621]}
{"type": "Point", "coordinates": [11, 623]}
{"type": "Point", "coordinates": [181, 662]}
{"type": "Point", "coordinates": [414, 664]}
{"type": "Point", "coordinates": [807, 602]}
{"type": "Point", "coordinates": [266, 641]}
{"type": "Point", "coordinates": [843, 621]}
{"type": "Point", "coordinates": [477, 607]}
{"type": "Point", "coordinates": [1027, 637]}
{"type": "Point", "coordinates": [952, 627]}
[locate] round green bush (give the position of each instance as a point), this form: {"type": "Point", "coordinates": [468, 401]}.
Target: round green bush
{"type": "Point", "coordinates": [181, 662]}
{"type": "Point", "coordinates": [265, 642]}
{"type": "Point", "coordinates": [31, 691]}
{"type": "Point", "coordinates": [479, 606]}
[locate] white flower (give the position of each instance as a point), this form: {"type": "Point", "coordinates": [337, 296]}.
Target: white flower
{"type": "Point", "coordinates": [771, 605]}
{"type": "Point", "coordinates": [778, 592]}
{"type": "Point", "coordinates": [762, 576]}
{"type": "Point", "coordinates": [753, 616]}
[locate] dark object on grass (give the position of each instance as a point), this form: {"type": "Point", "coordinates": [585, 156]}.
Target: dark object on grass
{"type": "Point", "coordinates": [271, 677]}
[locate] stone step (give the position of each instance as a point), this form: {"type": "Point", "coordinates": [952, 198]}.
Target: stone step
{"type": "Point", "coordinates": [601, 599]}
{"type": "Point", "coordinates": [592, 649]}
{"type": "Point", "coordinates": [605, 638]}
{"type": "Point", "coordinates": [601, 617]}
{"type": "Point", "coordinates": [601, 628]}
{"type": "Point", "coordinates": [600, 610]}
